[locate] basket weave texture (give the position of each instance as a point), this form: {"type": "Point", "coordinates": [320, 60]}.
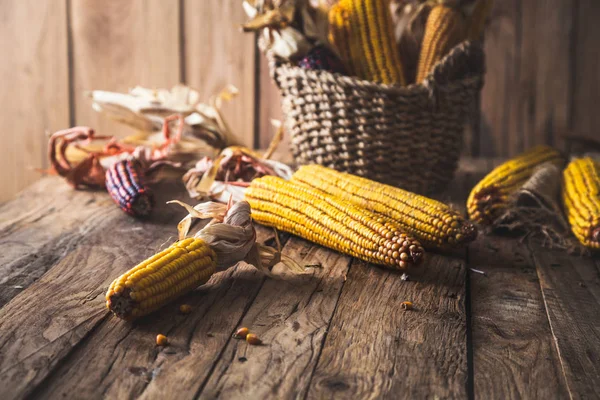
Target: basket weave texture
{"type": "Point", "coordinates": [409, 137]}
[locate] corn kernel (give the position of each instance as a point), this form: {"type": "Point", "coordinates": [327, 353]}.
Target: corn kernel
{"type": "Point", "coordinates": [161, 340]}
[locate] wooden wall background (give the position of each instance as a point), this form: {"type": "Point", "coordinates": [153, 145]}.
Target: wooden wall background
{"type": "Point", "coordinates": [543, 70]}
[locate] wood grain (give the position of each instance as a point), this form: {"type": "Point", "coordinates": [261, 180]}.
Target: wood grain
{"type": "Point", "coordinates": [514, 355]}
{"type": "Point", "coordinates": [292, 328]}
{"type": "Point", "coordinates": [132, 365]}
{"type": "Point", "coordinates": [67, 302]}
{"type": "Point", "coordinates": [545, 72]}
{"type": "Point", "coordinates": [571, 294]}
{"type": "Point", "coordinates": [269, 103]}
{"type": "Point", "coordinates": [217, 53]}
{"type": "Point", "coordinates": [528, 96]}
{"type": "Point", "coordinates": [41, 226]}
{"type": "Point", "coordinates": [499, 132]}
{"type": "Point", "coordinates": [35, 87]}
{"type": "Point", "coordinates": [374, 349]}
{"type": "Point", "coordinates": [586, 64]}
{"type": "Point", "coordinates": [118, 44]}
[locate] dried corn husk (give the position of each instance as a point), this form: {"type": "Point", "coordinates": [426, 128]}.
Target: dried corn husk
{"type": "Point", "coordinates": [410, 17]}
{"type": "Point", "coordinates": [534, 210]}
{"type": "Point", "coordinates": [274, 20]}
{"type": "Point", "coordinates": [230, 173]}
{"type": "Point", "coordinates": [144, 110]}
{"type": "Point", "coordinates": [232, 236]}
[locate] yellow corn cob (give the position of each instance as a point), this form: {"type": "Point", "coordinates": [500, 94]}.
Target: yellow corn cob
{"type": "Point", "coordinates": [431, 222]}
{"type": "Point", "coordinates": [362, 33]}
{"type": "Point", "coordinates": [581, 197]}
{"type": "Point", "coordinates": [481, 11]}
{"type": "Point", "coordinates": [491, 195]}
{"type": "Point", "coordinates": [180, 268]}
{"type": "Point", "coordinates": [445, 28]}
{"type": "Point", "coordinates": [331, 222]}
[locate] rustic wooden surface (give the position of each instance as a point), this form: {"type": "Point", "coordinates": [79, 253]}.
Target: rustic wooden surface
{"type": "Point", "coordinates": [528, 328]}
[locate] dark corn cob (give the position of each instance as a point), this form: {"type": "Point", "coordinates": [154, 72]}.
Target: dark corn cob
{"type": "Point", "coordinates": [491, 196]}
{"type": "Point", "coordinates": [125, 185]}
{"type": "Point", "coordinates": [320, 58]}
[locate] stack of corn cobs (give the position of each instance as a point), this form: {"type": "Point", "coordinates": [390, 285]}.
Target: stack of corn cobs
{"type": "Point", "coordinates": [374, 222]}
{"type": "Point", "coordinates": [391, 42]}
{"type": "Point", "coordinates": [580, 191]}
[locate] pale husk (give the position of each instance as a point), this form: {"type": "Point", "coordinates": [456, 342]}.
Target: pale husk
{"type": "Point", "coordinates": [232, 236]}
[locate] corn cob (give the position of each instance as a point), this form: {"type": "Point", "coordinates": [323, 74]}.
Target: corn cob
{"type": "Point", "coordinates": [125, 186]}
{"type": "Point", "coordinates": [361, 31]}
{"type": "Point", "coordinates": [331, 222]}
{"type": "Point", "coordinates": [477, 20]}
{"type": "Point", "coordinates": [581, 198]}
{"type": "Point", "coordinates": [431, 222]}
{"type": "Point", "coordinates": [180, 268]}
{"type": "Point", "coordinates": [490, 197]}
{"type": "Point", "coordinates": [445, 28]}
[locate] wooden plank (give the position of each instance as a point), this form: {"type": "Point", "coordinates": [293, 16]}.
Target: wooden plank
{"type": "Point", "coordinates": [217, 53]}
{"type": "Point", "coordinates": [35, 87]}
{"type": "Point", "coordinates": [514, 355]}
{"type": "Point", "coordinates": [269, 108]}
{"type": "Point", "coordinates": [67, 302]}
{"type": "Point", "coordinates": [544, 92]}
{"type": "Point", "coordinates": [586, 64]}
{"type": "Point", "coordinates": [292, 328]}
{"type": "Point", "coordinates": [570, 288]}
{"type": "Point", "coordinates": [499, 133]}
{"type": "Point", "coordinates": [374, 349]}
{"type": "Point", "coordinates": [131, 364]}
{"type": "Point", "coordinates": [41, 226]}
{"type": "Point", "coordinates": [528, 91]}
{"type": "Point", "coordinates": [118, 45]}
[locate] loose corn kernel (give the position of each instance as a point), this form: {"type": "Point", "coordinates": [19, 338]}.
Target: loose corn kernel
{"type": "Point", "coordinates": [161, 340]}
{"type": "Point", "coordinates": [185, 309]}
{"type": "Point", "coordinates": [406, 305]}
{"type": "Point", "coordinates": [252, 339]}
{"type": "Point", "coordinates": [241, 333]}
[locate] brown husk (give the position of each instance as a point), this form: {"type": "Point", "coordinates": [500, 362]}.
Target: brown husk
{"type": "Point", "coordinates": [534, 211]}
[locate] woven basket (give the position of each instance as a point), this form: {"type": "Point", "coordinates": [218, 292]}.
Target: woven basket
{"type": "Point", "coordinates": [409, 137]}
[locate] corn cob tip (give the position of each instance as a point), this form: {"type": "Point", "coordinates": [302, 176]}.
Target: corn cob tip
{"type": "Point", "coordinates": [142, 206]}
{"type": "Point", "coordinates": [121, 304]}
{"type": "Point", "coordinates": [468, 233]}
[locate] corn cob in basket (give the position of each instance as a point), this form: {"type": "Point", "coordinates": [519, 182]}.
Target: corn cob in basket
{"type": "Point", "coordinates": [331, 222]}
{"type": "Point", "coordinates": [431, 222]}
{"type": "Point", "coordinates": [491, 196]}
{"type": "Point", "coordinates": [446, 27]}
{"type": "Point", "coordinates": [581, 199]}
{"type": "Point", "coordinates": [362, 33]}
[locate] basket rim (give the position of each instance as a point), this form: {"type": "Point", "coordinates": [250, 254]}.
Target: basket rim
{"type": "Point", "coordinates": [427, 86]}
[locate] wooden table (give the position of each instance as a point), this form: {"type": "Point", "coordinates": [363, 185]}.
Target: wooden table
{"type": "Point", "coordinates": [528, 328]}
